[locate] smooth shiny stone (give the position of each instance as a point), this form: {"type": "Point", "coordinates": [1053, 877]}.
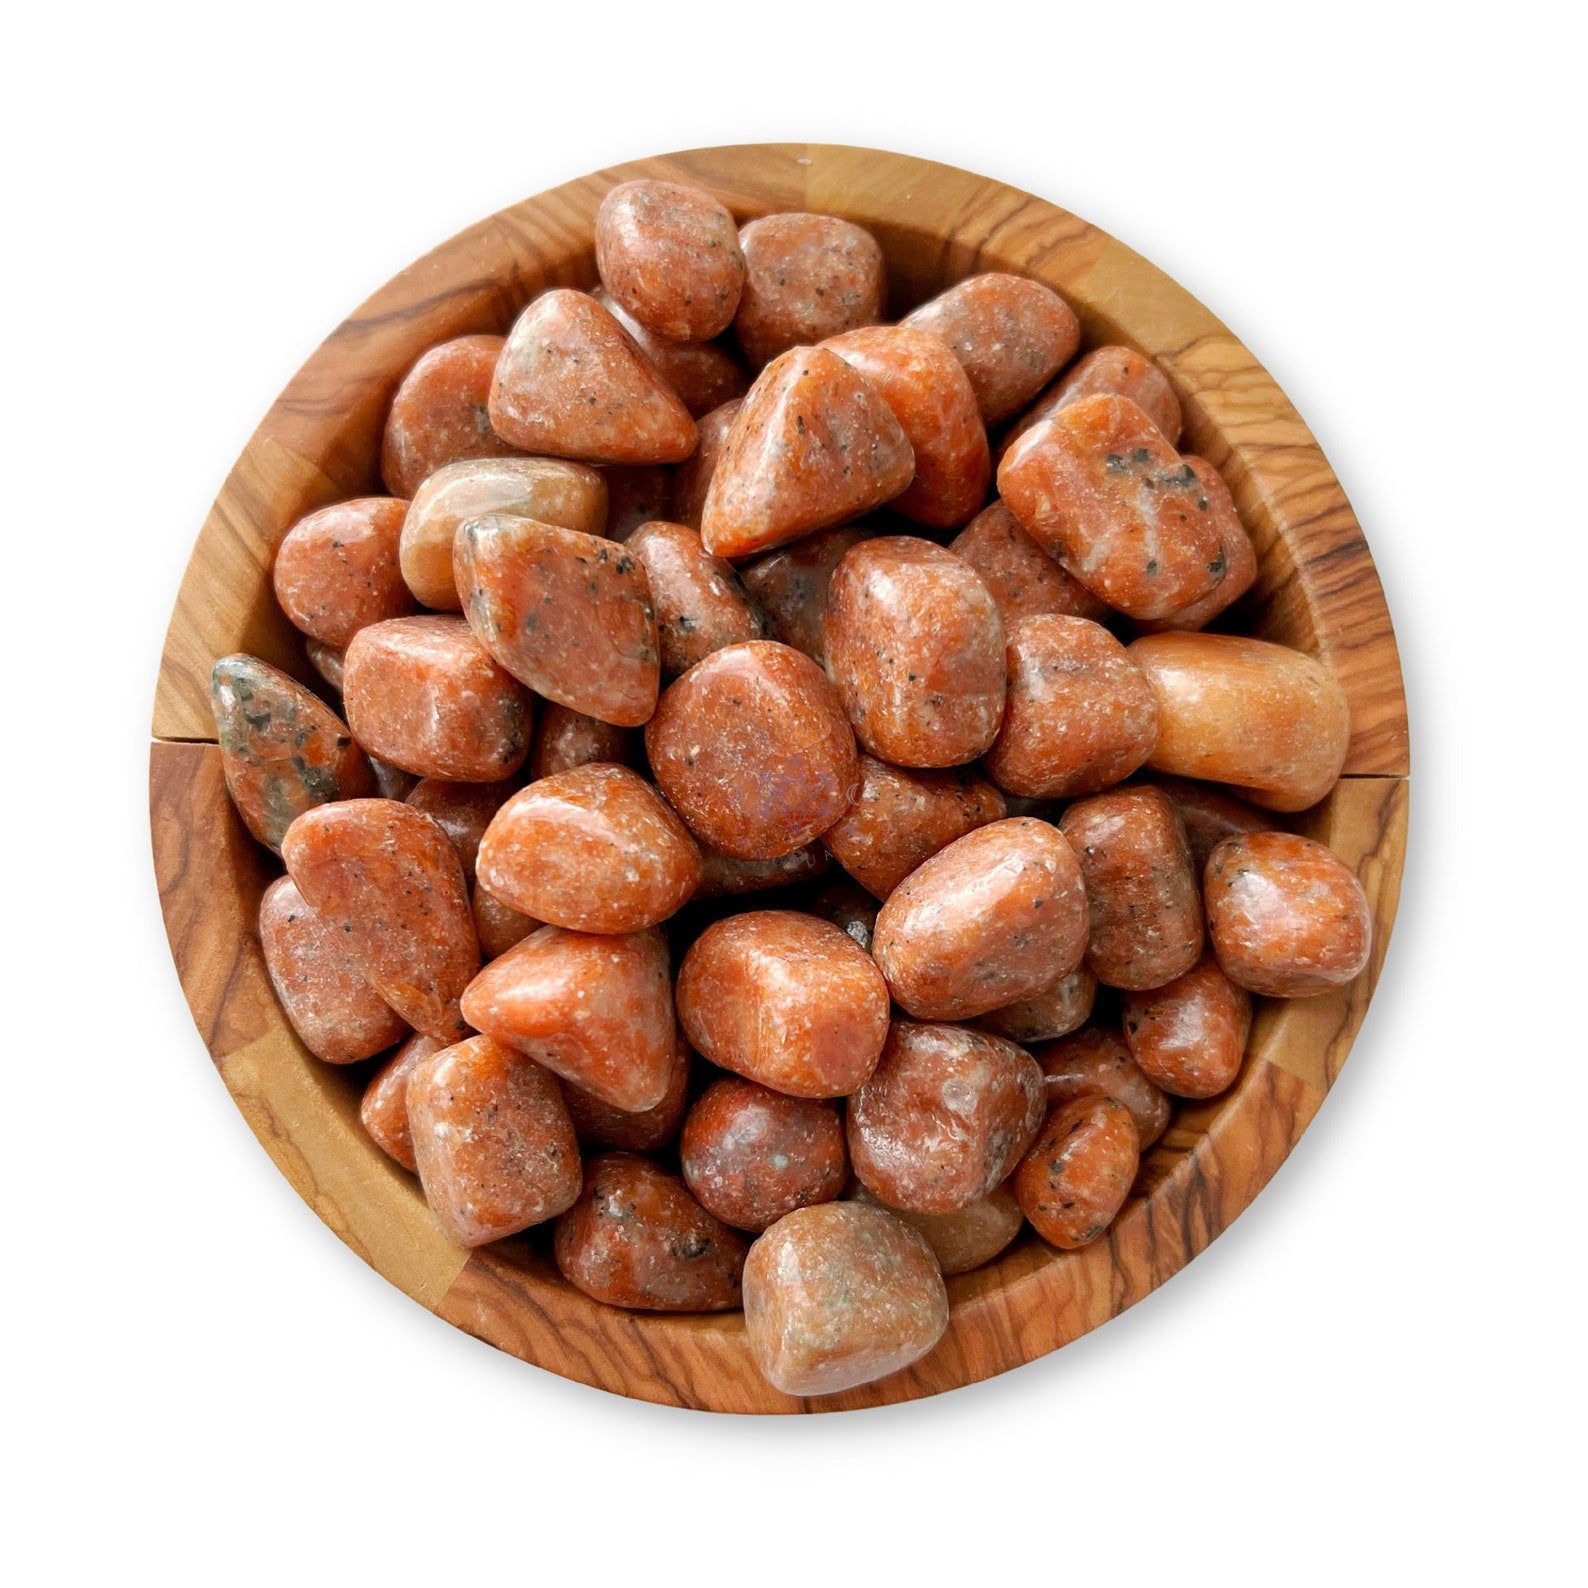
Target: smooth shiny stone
{"type": "Point", "coordinates": [1024, 580]}
{"type": "Point", "coordinates": [565, 739]}
{"type": "Point", "coordinates": [439, 413]}
{"type": "Point", "coordinates": [1240, 557]}
{"type": "Point", "coordinates": [1189, 1037]}
{"type": "Point", "coordinates": [384, 1108]}
{"type": "Point", "coordinates": [1094, 1062]}
{"type": "Point", "coordinates": [599, 1124]}
{"type": "Point", "coordinates": [337, 570]}
{"type": "Point", "coordinates": [1116, 371]}
{"type": "Point", "coordinates": [692, 480]}
{"type": "Point", "coordinates": [699, 603]}
{"type": "Point", "coordinates": [1075, 1178]}
{"type": "Point", "coordinates": [701, 374]}
{"type": "Point", "coordinates": [462, 810]}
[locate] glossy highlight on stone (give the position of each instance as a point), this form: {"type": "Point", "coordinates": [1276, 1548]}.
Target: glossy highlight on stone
{"type": "Point", "coordinates": [1240, 557]}
{"type": "Point", "coordinates": [599, 1124]}
{"type": "Point", "coordinates": [699, 603]}
{"type": "Point", "coordinates": [1189, 1037]}
{"type": "Point", "coordinates": [439, 413]}
{"type": "Point", "coordinates": [337, 570]}
{"type": "Point", "coordinates": [1024, 580]}
{"type": "Point", "coordinates": [721, 875]}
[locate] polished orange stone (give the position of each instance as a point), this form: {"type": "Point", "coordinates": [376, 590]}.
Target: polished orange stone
{"type": "Point", "coordinates": [462, 810]}
{"type": "Point", "coordinates": [424, 694]}
{"type": "Point", "coordinates": [786, 1000]}
{"type": "Point", "coordinates": [597, 1010]}
{"type": "Point", "coordinates": [750, 1154]}
{"type": "Point", "coordinates": [491, 1136]}
{"type": "Point", "coordinates": [1189, 1037]}
{"type": "Point", "coordinates": [596, 849]}
{"type": "Point", "coordinates": [703, 375]}
{"type": "Point", "coordinates": [1024, 580]}
{"type": "Point", "coordinates": [283, 751]}
{"type": "Point", "coordinates": [1043, 1016]}
{"type": "Point", "coordinates": [319, 984]}
{"type": "Point", "coordinates": [1096, 1062]}
{"type": "Point", "coordinates": [384, 1108]}
{"type": "Point", "coordinates": [388, 878]}
{"type": "Point", "coordinates": [439, 413]}
{"type": "Point", "coordinates": [968, 1238]}
{"type": "Point", "coordinates": [337, 570]}
{"type": "Point", "coordinates": [636, 1238]}
{"type": "Point", "coordinates": [565, 739]}
{"type": "Point", "coordinates": [1208, 815]}
{"type": "Point", "coordinates": [571, 383]}
{"type": "Point", "coordinates": [1240, 557]}
{"type": "Point", "coordinates": [944, 1117]}
{"type": "Point", "coordinates": [753, 750]}
{"type": "Point", "coordinates": [791, 586]}
{"type": "Point", "coordinates": [1076, 1176]}
{"type": "Point", "coordinates": [566, 613]}
{"type": "Point", "coordinates": [498, 925]}
{"type": "Point", "coordinates": [699, 603]}
{"type": "Point", "coordinates": [599, 1124]}
{"type": "Point", "coordinates": [1119, 371]}
{"type": "Point", "coordinates": [812, 446]}
{"type": "Point", "coordinates": [722, 875]}
{"type": "Point", "coordinates": [839, 1295]}
{"type": "Point", "coordinates": [692, 479]}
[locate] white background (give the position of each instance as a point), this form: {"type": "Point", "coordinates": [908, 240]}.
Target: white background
{"type": "Point", "coordinates": [1376, 1373]}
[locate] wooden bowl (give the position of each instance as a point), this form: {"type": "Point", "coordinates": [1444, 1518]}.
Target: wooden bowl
{"type": "Point", "coordinates": [320, 442]}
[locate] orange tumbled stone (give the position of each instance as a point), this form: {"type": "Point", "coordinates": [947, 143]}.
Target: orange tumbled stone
{"type": "Point", "coordinates": [491, 1136]}
{"type": "Point", "coordinates": [752, 748]}
{"type": "Point", "coordinates": [812, 446]}
{"type": "Point", "coordinates": [1079, 1171]}
{"type": "Point", "coordinates": [1209, 817]}
{"type": "Point", "coordinates": [1189, 1036]}
{"type": "Point", "coordinates": [596, 1010]}
{"type": "Point", "coordinates": [701, 374]}
{"type": "Point", "coordinates": [596, 849]}
{"type": "Point", "coordinates": [320, 986]}
{"type": "Point", "coordinates": [599, 1124]}
{"type": "Point", "coordinates": [1240, 557]}
{"type": "Point", "coordinates": [283, 750]}
{"type": "Point", "coordinates": [791, 586]}
{"type": "Point", "coordinates": [565, 739]}
{"type": "Point", "coordinates": [1118, 371]}
{"type": "Point", "coordinates": [636, 1238]}
{"type": "Point", "coordinates": [692, 481]}
{"type": "Point", "coordinates": [462, 811]}
{"type": "Point", "coordinates": [384, 1108]}
{"type": "Point", "coordinates": [388, 878]}
{"type": "Point", "coordinates": [1094, 1062]}
{"type": "Point", "coordinates": [337, 570]}
{"type": "Point", "coordinates": [1024, 580]}
{"type": "Point", "coordinates": [699, 603]}
{"type": "Point", "coordinates": [424, 694]}
{"type": "Point", "coordinates": [439, 413]}
{"type": "Point", "coordinates": [566, 613]}
{"type": "Point", "coordinates": [839, 1295]}
{"type": "Point", "coordinates": [1043, 1016]}
{"type": "Point", "coordinates": [784, 999]}
{"type": "Point", "coordinates": [969, 1237]}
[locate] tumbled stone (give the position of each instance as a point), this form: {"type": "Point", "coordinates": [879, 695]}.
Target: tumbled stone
{"type": "Point", "coordinates": [636, 1238]}
{"type": "Point", "coordinates": [1240, 557]}
{"type": "Point", "coordinates": [1189, 1036]}
{"type": "Point", "coordinates": [439, 413]}
{"type": "Point", "coordinates": [791, 587]}
{"type": "Point", "coordinates": [494, 1146]}
{"type": "Point", "coordinates": [549, 490]}
{"type": "Point", "coordinates": [999, 914]}
{"type": "Point", "coordinates": [283, 751]}
{"type": "Point", "coordinates": [462, 810]}
{"type": "Point", "coordinates": [944, 1117]}
{"type": "Point", "coordinates": [384, 1109]}
{"type": "Point", "coordinates": [722, 875]}
{"type": "Point", "coordinates": [692, 481]}
{"type": "Point", "coordinates": [901, 818]}
{"type": "Point", "coordinates": [1118, 371]}
{"type": "Point", "coordinates": [750, 1155]}
{"type": "Point", "coordinates": [572, 384]}
{"type": "Point", "coordinates": [1079, 1171]}
{"type": "Point", "coordinates": [388, 878]}
{"type": "Point", "coordinates": [337, 570]}
{"type": "Point", "coordinates": [1010, 333]}
{"type": "Point", "coordinates": [596, 849]}
{"type": "Point", "coordinates": [1208, 815]}
{"type": "Point", "coordinates": [699, 603]}
{"type": "Point", "coordinates": [566, 613]}
{"type": "Point", "coordinates": [784, 999]}
{"type": "Point", "coordinates": [1024, 580]}
{"type": "Point", "coordinates": [701, 374]}
{"type": "Point", "coordinates": [1094, 1062]}
{"type": "Point", "coordinates": [565, 739]}
{"type": "Point", "coordinates": [753, 750]}
{"type": "Point", "coordinates": [813, 445]}
{"type": "Point", "coordinates": [498, 925]}
{"type": "Point", "coordinates": [807, 277]}
{"type": "Point", "coordinates": [320, 986]}
{"type": "Point", "coordinates": [598, 1011]}
{"type": "Point", "coordinates": [424, 694]}
{"type": "Point", "coordinates": [599, 1124]}
{"type": "Point", "coordinates": [669, 253]}
{"type": "Point", "coordinates": [1043, 1016]}
{"type": "Point", "coordinates": [968, 1238]}
{"type": "Point", "coordinates": [839, 1295]}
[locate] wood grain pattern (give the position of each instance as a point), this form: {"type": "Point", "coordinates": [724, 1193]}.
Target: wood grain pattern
{"type": "Point", "coordinates": [1317, 589]}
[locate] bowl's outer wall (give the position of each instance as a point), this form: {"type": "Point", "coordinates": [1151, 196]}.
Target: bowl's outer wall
{"type": "Point", "coordinates": [1317, 590]}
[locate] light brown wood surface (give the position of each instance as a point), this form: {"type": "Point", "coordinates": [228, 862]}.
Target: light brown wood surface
{"type": "Point", "coordinates": [1317, 590]}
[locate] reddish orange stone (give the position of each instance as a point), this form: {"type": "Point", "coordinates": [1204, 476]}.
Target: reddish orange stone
{"type": "Point", "coordinates": [636, 1238]}
{"type": "Point", "coordinates": [944, 1117]}
{"type": "Point", "coordinates": [791, 587]}
{"type": "Point", "coordinates": [462, 810]}
{"type": "Point", "coordinates": [566, 739]}
{"type": "Point", "coordinates": [1189, 1037]}
{"type": "Point", "coordinates": [999, 914]}
{"type": "Point", "coordinates": [596, 849]}
{"type": "Point", "coordinates": [571, 383]}
{"type": "Point", "coordinates": [337, 572]}
{"type": "Point", "coordinates": [598, 1011]}
{"type": "Point", "coordinates": [751, 1155]}
{"type": "Point", "coordinates": [1079, 1171]}
{"type": "Point", "coordinates": [637, 495]}
{"type": "Point", "coordinates": [599, 1124]}
{"type": "Point", "coordinates": [969, 1237]}
{"type": "Point", "coordinates": [492, 1139]}
{"type": "Point", "coordinates": [387, 877]}
{"type": "Point", "coordinates": [752, 748]}
{"type": "Point", "coordinates": [699, 603]}
{"type": "Point", "coordinates": [1093, 1062]}
{"type": "Point", "coordinates": [1119, 371]}
{"type": "Point", "coordinates": [786, 1000]}
{"type": "Point", "coordinates": [814, 445]}
{"type": "Point", "coordinates": [701, 374]}
{"type": "Point", "coordinates": [320, 986]}
{"type": "Point", "coordinates": [567, 614]}
{"type": "Point", "coordinates": [424, 694]}
{"type": "Point", "coordinates": [693, 478]}
{"type": "Point", "coordinates": [721, 875]}
{"type": "Point", "coordinates": [283, 751]}
{"type": "Point", "coordinates": [499, 926]}
{"type": "Point", "coordinates": [1208, 816]}
{"type": "Point", "coordinates": [1240, 558]}
{"type": "Point", "coordinates": [1010, 333]}
{"type": "Point", "coordinates": [384, 1110]}
{"type": "Point", "coordinates": [439, 413]}
{"type": "Point", "coordinates": [1045, 1015]}
{"type": "Point", "coordinates": [1024, 580]}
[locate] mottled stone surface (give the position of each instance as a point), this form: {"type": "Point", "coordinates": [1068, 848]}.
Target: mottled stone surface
{"type": "Point", "coordinates": [1286, 916]}
{"type": "Point", "coordinates": [384, 1109]}
{"type": "Point", "coordinates": [750, 1155]}
{"type": "Point", "coordinates": [571, 383]}
{"type": "Point", "coordinates": [1064, 1006]}
{"type": "Point", "coordinates": [791, 586]}
{"type": "Point", "coordinates": [1095, 1062]}
{"type": "Point", "coordinates": [598, 1011]}
{"type": "Point", "coordinates": [1209, 817]}
{"type": "Point", "coordinates": [752, 748]}
{"type": "Point", "coordinates": [784, 999]}
{"type": "Point", "coordinates": [565, 739]}
{"type": "Point", "coordinates": [1189, 1037]}
{"type": "Point", "coordinates": [566, 613]}
{"type": "Point", "coordinates": [389, 880]}
{"type": "Point", "coordinates": [424, 694]}
{"type": "Point", "coordinates": [596, 849]}
{"type": "Point", "coordinates": [721, 875]}
{"type": "Point", "coordinates": [812, 446]}
{"type": "Point", "coordinates": [599, 1124]}
{"type": "Point", "coordinates": [999, 914]}
{"type": "Point", "coordinates": [636, 1238]}
{"type": "Point", "coordinates": [439, 413]}
{"type": "Point", "coordinates": [699, 603]}
{"type": "Point", "coordinates": [494, 1146]}
{"type": "Point", "coordinates": [1079, 1171]}
{"type": "Point", "coordinates": [692, 479]}
{"type": "Point", "coordinates": [1024, 580]}
{"type": "Point", "coordinates": [1079, 717]}
{"type": "Point", "coordinates": [462, 810]}
{"type": "Point", "coordinates": [283, 751]}
{"type": "Point", "coordinates": [1011, 334]}
{"type": "Point", "coordinates": [337, 570]}
{"type": "Point", "coordinates": [916, 648]}
{"type": "Point", "coordinates": [944, 1117]}
{"type": "Point", "coordinates": [839, 1295]}
{"type": "Point", "coordinates": [1240, 558]}
{"type": "Point", "coordinates": [319, 984]}
{"type": "Point", "coordinates": [1117, 371]}
{"type": "Point", "coordinates": [703, 375]}
{"type": "Point", "coordinates": [806, 277]}
{"type": "Point", "coordinates": [968, 1238]}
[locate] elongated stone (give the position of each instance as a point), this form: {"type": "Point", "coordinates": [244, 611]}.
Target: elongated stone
{"type": "Point", "coordinates": [699, 603]}
{"type": "Point", "coordinates": [384, 1109]}
{"type": "Point", "coordinates": [1079, 1171]}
